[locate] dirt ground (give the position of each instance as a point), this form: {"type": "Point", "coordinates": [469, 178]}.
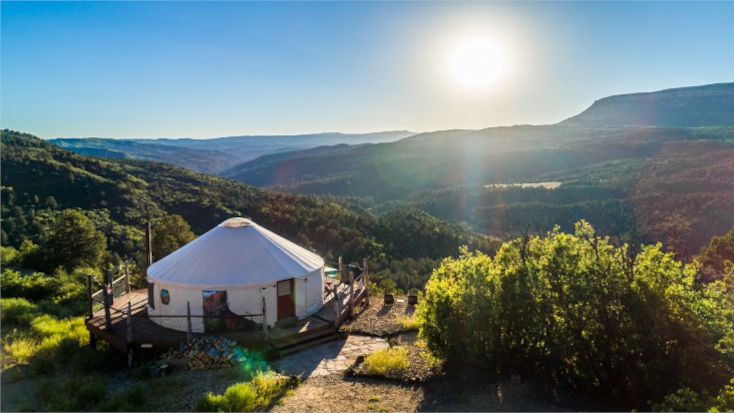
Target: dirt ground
{"type": "Point", "coordinates": [18, 393]}
{"type": "Point", "coordinates": [460, 389]}
{"type": "Point", "coordinates": [335, 393]}
{"type": "Point", "coordinates": [380, 319]}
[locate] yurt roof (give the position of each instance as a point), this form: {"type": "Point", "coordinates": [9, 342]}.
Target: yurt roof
{"type": "Point", "coordinates": [236, 253]}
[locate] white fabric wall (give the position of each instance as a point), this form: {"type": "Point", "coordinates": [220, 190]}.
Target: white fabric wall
{"type": "Point", "coordinates": [271, 305]}
{"type": "Point", "coordinates": [177, 306]}
{"type": "Point", "coordinates": [309, 293]}
{"type": "Point", "coordinates": [247, 301]}
{"type": "Point", "coordinates": [250, 301]}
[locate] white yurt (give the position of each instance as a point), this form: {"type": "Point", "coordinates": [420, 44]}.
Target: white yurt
{"type": "Point", "coordinates": [228, 271]}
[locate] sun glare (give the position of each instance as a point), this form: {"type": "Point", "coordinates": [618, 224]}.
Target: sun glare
{"type": "Point", "coordinates": [477, 63]}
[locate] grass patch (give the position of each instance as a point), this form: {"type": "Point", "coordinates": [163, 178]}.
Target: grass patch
{"type": "Point", "coordinates": [374, 399]}
{"type": "Point", "coordinates": [72, 394]}
{"type": "Point", "coordinates": [408, 323]}
{"type": "Point", "coordinates": [245, 397]}
{"type": "Point", "coordinates": [37, 334]}
{"type": "Point", "coordinates": [20, 347]}
{"type": "Point", "coordinates": [131, 400]}
{"type": "Point", "coordinates": [383, 409]}
{"type": "Point", "coordinates": [387, 361]}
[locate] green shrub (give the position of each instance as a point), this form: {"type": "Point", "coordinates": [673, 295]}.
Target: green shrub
{"type": "Point", "coordinates": [34, 287]}
{"type": "Point", "coordinates": [387, 361]}
{"type": "Point", "coordinates": [245, 397]}
{"type": "Point", "coordinates": [20, 347]}
{"type": "Point", "coordinates": [687, 400]}
{"type": "Point", "coordinates": [409, 323]}
{"type": "Point", "coordinates": [579, 310]}
{"type": "Point", "coordinates": [9, 257]}
{"type": "Point", "coordinates": [17, 312]}
{"type": "Point", "coordinates": [42, 366]}
{"type": "Point", "coordinates": [40, 334]}
{"type": "Point", "coordinates": [131, 400]}
{"type": "Point", "coordinates": [72, 394]}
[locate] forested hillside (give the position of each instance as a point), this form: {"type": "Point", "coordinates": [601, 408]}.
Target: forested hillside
{"type": "Point", "coordinates": [41, 180]}
{"type": "Point", "coordinates": [197, 160]}
{"type": "Point", "coordinates": [614, 178]}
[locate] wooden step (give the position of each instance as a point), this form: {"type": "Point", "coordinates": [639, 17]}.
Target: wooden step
{"type": "Point", "coordinates": [301, 337]}
{"type": "Point", "coordinates": [308, 344]}
{"type": "Point", "coordinates": [286, 322]}
{"type": "Point", "coordinates": [302, 333]}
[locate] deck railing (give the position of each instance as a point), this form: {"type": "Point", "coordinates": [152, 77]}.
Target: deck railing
{"type": "Point", "coordinates": [120, 287]}
{"type": "Point", "coordinates": [212, 323]}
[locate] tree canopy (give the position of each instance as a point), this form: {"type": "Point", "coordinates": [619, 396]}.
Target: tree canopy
{"type": "Point", "coordinates": [75, 242]}
{"type": "Point", "coordinates": [170, 233]}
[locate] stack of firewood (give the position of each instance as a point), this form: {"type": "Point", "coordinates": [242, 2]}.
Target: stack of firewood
{"type": "Point", "coordinates": [207, 353]}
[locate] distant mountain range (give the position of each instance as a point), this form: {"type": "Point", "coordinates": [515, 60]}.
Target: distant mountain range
{"type": "Point", "coordinates": [213, 156]}
{"type": "Point", "coordinates": [629, 160]}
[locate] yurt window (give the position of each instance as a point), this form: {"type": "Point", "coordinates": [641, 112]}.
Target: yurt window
{"type": "Point", "coordinates": [151, 295]}
{"type": "Point", "coordinates": [165, 297]}
{"type": "Point", "coordinates": [284, 288]}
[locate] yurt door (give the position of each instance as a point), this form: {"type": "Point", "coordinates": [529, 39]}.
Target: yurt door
{"type": "Point", "coordinates": [286, 306]}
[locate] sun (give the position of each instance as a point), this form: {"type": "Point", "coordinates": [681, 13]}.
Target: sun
{"type": "Point", "coordinates": [478, 63]}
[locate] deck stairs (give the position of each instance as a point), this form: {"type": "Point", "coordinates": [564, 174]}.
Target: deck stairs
{"type": "Point", "coordinates": [305, 339]}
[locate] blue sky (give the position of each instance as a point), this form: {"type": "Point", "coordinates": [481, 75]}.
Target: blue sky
{"type": "Point", "coordinates": [199, 70]}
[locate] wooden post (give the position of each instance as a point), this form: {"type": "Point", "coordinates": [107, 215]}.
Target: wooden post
{"type": "Point", "coordinates": [351, 294]}
{"type": "Point", "coordinates": [92, 337]}
{"type": "Point", "coordinates": [108, 319]}
{"type": "Point", "coordinates": [127, 275]}
{"type": "Point", "coordinates": [148, 246]}
{"type": "Point", "coordinates": [366, 282]}
{"type": "Point", "coordinates": [129, 336]}
{"type": "Point", "coordinates": [189, 332]}
{"type": "Point", "coordinates": [90, 309]}
{"type": "Point", "coordinates": [110, 283]}
{"type": "Point", "coordinates": [265, 320]}
{"type": "Point", "coordinates": [336, 307]}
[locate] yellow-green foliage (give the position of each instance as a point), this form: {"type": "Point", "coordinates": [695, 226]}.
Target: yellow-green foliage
{"type": "Point", "coordinates": [245, 397]}
{"type": "Point", "coordinates": [409, 323]}
{"type": "Point", "coordinates": [574, 306]}
{"type": "Point", "coordinates": [687, 400]}
{"type": "Point", "coordinates": [9, 256]}
{"type": "Point", "coordinates": [38, 334]}
{"type": "Point", "coordinates": [387, 361]}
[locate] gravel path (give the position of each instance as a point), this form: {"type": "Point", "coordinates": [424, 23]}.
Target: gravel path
{"type": "Point", "coordinates": [379, 319]}
{"type": "Point", "coordinates": [333, 357]}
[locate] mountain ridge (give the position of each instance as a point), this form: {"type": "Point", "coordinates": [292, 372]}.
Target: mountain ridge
{"type": "Point", "coordinates": [691, 106]}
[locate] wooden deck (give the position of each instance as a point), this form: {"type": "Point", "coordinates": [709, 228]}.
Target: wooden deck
{"type": "Point", "coordinates": [145, 331]}
{"type": "Point", "coordinates": [327, 313]}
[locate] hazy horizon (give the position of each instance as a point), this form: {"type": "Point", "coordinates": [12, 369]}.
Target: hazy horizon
{"type": "Point", "coordinates": [207, 70]}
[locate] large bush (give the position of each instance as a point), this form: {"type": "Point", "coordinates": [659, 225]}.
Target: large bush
{"type": "Point", "coordinates": [581, 311]}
